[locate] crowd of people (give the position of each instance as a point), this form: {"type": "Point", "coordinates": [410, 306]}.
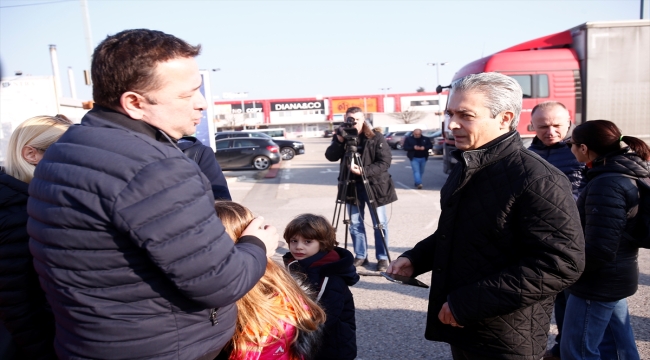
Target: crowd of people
{"type": "Point", "coordinates": [119, 238]}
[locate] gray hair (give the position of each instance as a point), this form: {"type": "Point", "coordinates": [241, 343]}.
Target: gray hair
{"type": "Point", "coordinates": [502, 93]}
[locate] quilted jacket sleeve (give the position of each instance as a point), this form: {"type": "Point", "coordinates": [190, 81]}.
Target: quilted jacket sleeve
{"type": "Point", "coordinates": [173, 220]}
{"type": "Point", "coordinates": [421, 255]}
{"type": "Point", "coordinates": [605, 218]}
{"type": "Point", "coordinates": [551, 248]}
{"type": "Point", "coordinates": [382, 158]}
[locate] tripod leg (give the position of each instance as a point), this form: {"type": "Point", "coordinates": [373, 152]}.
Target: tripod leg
{"type": "Point", "coordinates": [372, 207]}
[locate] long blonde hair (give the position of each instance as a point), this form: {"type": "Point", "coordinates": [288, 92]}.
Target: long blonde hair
{"type": "Point", "coordinates": [38, 132]}
{"type": "Point", "coordinates": [257, 310]}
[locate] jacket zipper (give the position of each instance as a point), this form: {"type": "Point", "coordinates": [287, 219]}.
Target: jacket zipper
{"type": "Point", "coordinates": [213, 316]}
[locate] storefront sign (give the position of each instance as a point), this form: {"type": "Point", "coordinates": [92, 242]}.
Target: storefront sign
{"type": "Point", "coordinates": [297, 105]}
{"type": "Point", "coordinates": [424, 102]}
{"type": "Point", "coordinates": [367, 105]}
{"type": "Point", "coordinates": [250, 108]}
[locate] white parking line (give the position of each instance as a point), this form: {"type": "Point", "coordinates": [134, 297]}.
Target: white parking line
{"type": "Point", "coordinates": [286, 175]}
{"type": "Point", "coordinates": [410, 188]}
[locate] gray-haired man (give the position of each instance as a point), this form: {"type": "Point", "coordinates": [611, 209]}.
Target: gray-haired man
{"type": "Point", "coordinates": [508, 238]}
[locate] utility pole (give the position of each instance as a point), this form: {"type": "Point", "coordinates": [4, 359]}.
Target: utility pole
{"type": "Point", "coordinates": [438, 65]}
{"type": "Point", "coordinates": [89, 38]}
{"type": "Point", "coordinates": [57, 78]}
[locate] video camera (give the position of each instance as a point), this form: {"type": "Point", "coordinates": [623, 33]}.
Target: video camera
{"type": "Point", "coordinates": [348, 131]}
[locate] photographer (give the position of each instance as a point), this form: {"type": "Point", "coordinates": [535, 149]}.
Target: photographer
{"type": "Point", "coordinates": [375, 157]}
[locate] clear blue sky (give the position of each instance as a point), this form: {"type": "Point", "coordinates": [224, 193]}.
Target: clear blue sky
{"type": "Point", "coordinates": [273, 49]}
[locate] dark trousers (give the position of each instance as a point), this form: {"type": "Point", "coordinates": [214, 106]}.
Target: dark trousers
{"type": "Point", "coordinates": [459, 354]}
{"type": "Point", "coordinates": [560, 308]}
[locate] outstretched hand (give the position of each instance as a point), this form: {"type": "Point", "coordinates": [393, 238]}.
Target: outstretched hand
{"type": "Point", "coordinates": [401, 266]}
{"type": "Point", "coordinates": [267, 233]}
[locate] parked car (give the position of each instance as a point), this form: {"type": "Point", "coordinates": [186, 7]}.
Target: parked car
{"type": "Point", "coordinates": [394, 139]}
{"type": "Point", "coordinates": [288, 148]}
{"type": "Point", "coordinates": [246, 153]}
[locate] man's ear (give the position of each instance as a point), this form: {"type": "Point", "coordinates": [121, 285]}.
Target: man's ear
{"type": "Point", "coordinates": [132, 104]}
{"type": "Point", "coordinates": [506, 119]}
{"type": "Point", "coordinates": [29, 154]}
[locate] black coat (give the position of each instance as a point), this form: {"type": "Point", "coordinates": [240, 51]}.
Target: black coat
{"type": "Point", "coordinates": [23, 308]}
{"type": "Point", "coordinates": [560, 156]}
{"type": "Point", "coordinates": [339, 334]}
{"type": "Point", "coordinates": [128, 247]}
{"type": "Point", "coordinates": [608, 208]}
{"type": "Point", "coordinates": [204, 156]}
{"type": "Point", "coordinates": [508, 241]}
{"type": "Point", "coordinates": [376, 158]}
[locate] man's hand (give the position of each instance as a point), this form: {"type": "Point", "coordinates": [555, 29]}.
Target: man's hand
{"type": "Point", "coordinates": [445, 316]}
{"type": "Point", "coordinates": [267, 233]}
{"type": "Point", "coordinates": [401, 266]}
{"type": "Point", "coordinates": [338, 133]}
{"type": "Point", "coordinates": [355, 169]}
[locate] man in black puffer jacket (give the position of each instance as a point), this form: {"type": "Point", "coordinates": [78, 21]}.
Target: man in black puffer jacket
{"type": "Point", "coordinates": [508, 238]}
{"type": "Point", "coordinates": [129, 250]}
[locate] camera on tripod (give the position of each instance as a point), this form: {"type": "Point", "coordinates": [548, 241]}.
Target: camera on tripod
{"type": "Point", "coordinates": [349, 132]}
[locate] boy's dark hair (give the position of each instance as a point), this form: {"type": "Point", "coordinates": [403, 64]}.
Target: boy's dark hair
{"type": "Point", "coordinates": [314, 227]}
{"type": "Point", "coordinates": [127, 60]}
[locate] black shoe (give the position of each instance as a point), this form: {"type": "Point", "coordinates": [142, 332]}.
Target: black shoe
{"type": "Point", "coordinates": [419, 186]}
{"type": "Point", "coordinates": [360, 262]}
{"type": "Point", "coordinates": [382, 265]}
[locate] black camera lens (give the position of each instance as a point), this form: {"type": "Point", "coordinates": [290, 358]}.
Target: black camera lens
{"type": "Point", "coordinates": [350, 119]}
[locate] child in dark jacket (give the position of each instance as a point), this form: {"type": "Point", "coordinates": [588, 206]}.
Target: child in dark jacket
{"type": "Point", "coordinates": [314, 253]}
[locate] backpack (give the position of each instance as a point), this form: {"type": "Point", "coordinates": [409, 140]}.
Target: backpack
{"type": "Point", "coordinates": [640, 235]}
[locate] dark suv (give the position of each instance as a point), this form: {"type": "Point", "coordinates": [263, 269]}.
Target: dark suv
{"type": "Point", "coordinates": [288, 148]}
{"type": "Point", "coordinates": [246, 153]}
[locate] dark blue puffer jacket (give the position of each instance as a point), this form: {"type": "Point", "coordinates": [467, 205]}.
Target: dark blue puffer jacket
{"type": "Point", "coordinates": [339, 334]}
{"type": "Point", "coordinates": [128, 247]}
{"type": "Point", "coordinates": [560, 156]}
{"type": "Point", "coordinates": [204, 156]}
{"type": "Point", "coordinates": [23, 308]}
{"type": "Point", "coordinates": [608, 209]}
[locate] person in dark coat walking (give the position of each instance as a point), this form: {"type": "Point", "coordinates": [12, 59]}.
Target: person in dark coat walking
{"type": "Point", "coordinates": [551, 121]}
{"type": "Point", "coordinates": [23, 307]}
{"type": "Point", "coordinates": [329, 269]}
{"type": "Point", "coordinates": [597, 320]}
{"type": "Point", "coordinates": [375, 158]}
{"type": "Point", "coordinates": [417, 150]}
{"type": "Point", "coordinates": [508, 237]}
{"type": "Point", "coordinates": [129, 250]}
{"type": "Point", "coordinates": [203, 155]}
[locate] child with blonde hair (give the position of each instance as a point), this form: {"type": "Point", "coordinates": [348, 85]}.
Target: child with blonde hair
{"type": "Point", "coordinates": [330, 270]}
{"type": "Point", "coordinates": [276, 319]}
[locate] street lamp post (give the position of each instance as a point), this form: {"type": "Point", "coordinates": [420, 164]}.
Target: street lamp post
{"type": "Point", "coordinates": [385, 90]}
{"type": "Point", "coordinates": [438, 65]}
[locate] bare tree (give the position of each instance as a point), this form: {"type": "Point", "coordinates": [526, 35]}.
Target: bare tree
{"type": "Point", "coordinates": [408, 117]}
